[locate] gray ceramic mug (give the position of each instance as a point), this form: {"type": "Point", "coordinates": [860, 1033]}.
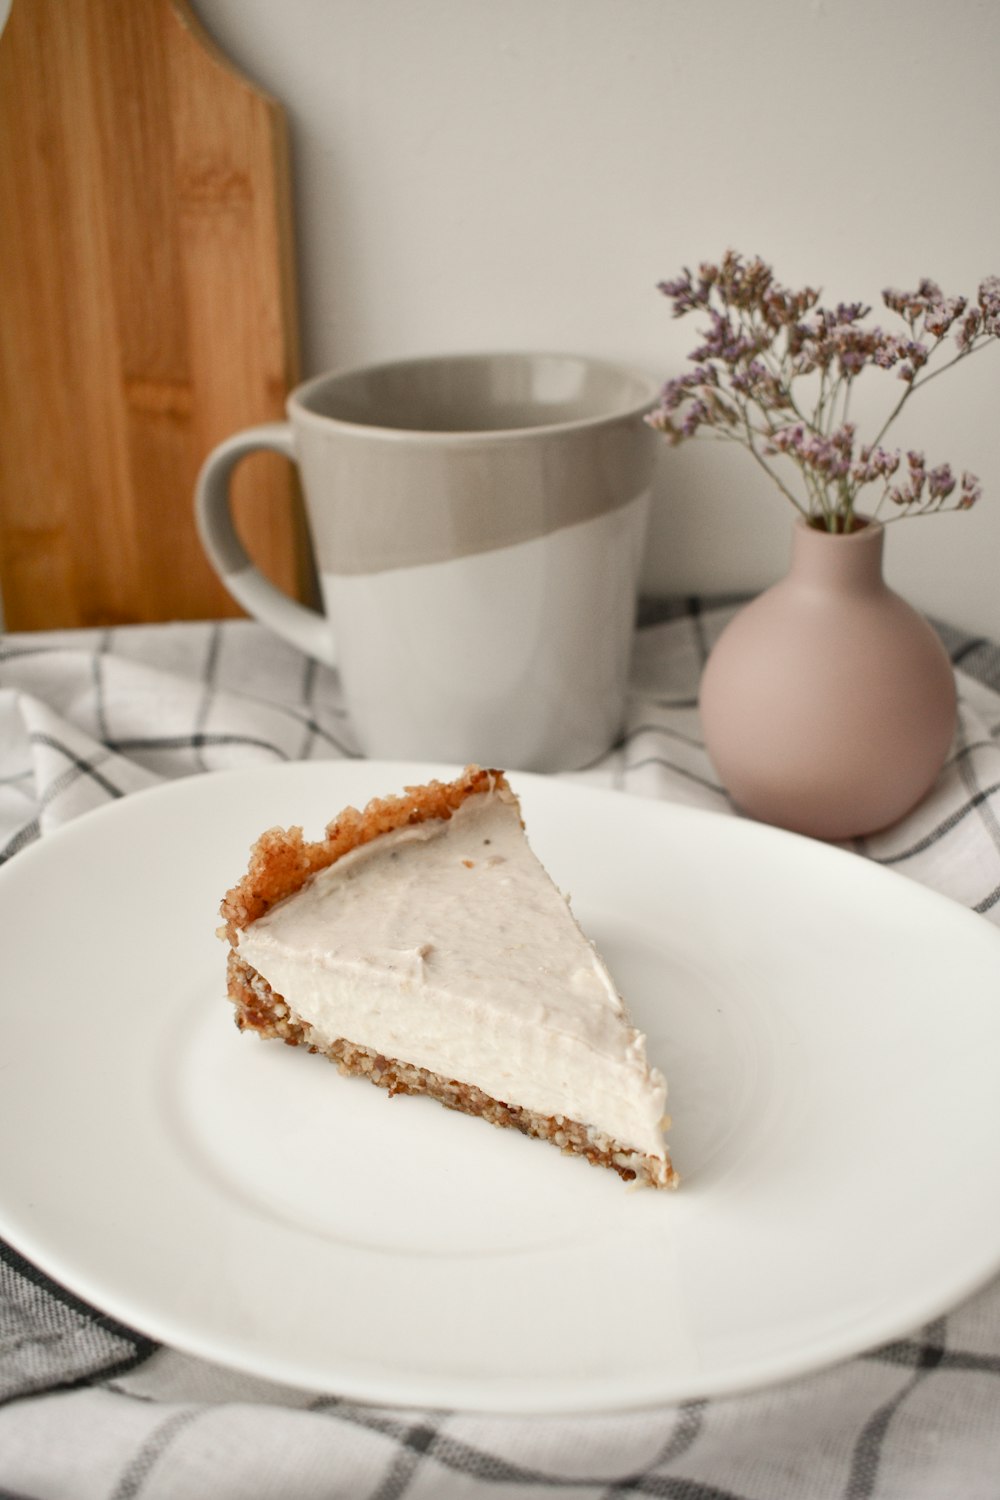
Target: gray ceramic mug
{"type": "Point", "coordinates": [478, 523]}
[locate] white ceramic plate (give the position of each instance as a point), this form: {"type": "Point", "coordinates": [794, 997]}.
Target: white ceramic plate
{"type": "Point", "coordinates": [829, 1030]}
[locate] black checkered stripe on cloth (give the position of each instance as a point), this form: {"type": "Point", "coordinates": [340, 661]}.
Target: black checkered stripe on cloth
{"type": "Point", "coordinates": [90, 1409]}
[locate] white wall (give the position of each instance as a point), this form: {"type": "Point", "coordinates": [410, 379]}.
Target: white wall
{"type": "Point", "coordinates": [503, 173]}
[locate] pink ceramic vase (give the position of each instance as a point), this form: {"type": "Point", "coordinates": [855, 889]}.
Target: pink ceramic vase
{"type": "Point", "coordinates": [828, 704]}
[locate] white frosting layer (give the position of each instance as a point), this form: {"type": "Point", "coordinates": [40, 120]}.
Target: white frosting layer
{"type": "Point", "coordinates": [446, 945]}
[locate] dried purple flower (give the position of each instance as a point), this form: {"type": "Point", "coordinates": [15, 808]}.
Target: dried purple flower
{"type": "Point", "coordinates": [969, 331]}
{"type": "Point", "coordinates": [940, 482]}
{"type": "Point", "coordinates": [888, 350]}
{"type": "Point", "coordinates": [875, 463]}
{"type": "Point", "coordinates": [971, 491]}
{"type": "Point", "coordinates": [989, 302]}
{"type": "Point", "coordinates": [938, 319]}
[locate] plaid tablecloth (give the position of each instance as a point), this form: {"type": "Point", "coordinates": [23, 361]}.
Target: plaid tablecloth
{"type": "Point", "coordinates": [91, 1409]}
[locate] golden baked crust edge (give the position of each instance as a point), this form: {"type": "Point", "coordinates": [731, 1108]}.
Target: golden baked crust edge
{"type": "Point", "coordinates": [282, 860]}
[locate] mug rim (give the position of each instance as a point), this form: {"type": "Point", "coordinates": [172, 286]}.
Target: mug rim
{"type": "Point", "coordinates": [298, 398]}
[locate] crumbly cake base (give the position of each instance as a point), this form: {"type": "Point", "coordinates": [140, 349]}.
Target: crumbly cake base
{"type": "Point", "coordinates": [281, 862]}
{"type": "Point", "coordinates": [259, 1009]}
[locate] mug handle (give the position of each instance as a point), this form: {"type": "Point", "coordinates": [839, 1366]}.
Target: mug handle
{"type": "Point", "coordinates": [305, 628]}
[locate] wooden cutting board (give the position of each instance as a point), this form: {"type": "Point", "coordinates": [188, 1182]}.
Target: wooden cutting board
{"type": "Point", "coordinates": [147, 310]}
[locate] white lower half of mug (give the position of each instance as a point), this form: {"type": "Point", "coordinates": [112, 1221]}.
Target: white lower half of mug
{"type": "Point", "coordinates": [517, 657]}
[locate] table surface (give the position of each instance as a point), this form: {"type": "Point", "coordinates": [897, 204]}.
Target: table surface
{"type": "Point", "coordinates": [92, 1409]}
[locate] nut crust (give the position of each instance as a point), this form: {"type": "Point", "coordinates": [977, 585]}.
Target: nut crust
{"type": "Point", "coordinates": [281, 861]}
{"type": "Point", "coordinates": [259, 1009]}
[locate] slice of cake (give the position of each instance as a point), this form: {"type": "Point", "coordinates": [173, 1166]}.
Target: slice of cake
{"type": "Point", "coordinates": [422, 945]}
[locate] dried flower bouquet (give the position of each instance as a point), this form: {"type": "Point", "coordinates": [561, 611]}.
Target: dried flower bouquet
{"type": "Point", "coordinates": [776, 372]}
